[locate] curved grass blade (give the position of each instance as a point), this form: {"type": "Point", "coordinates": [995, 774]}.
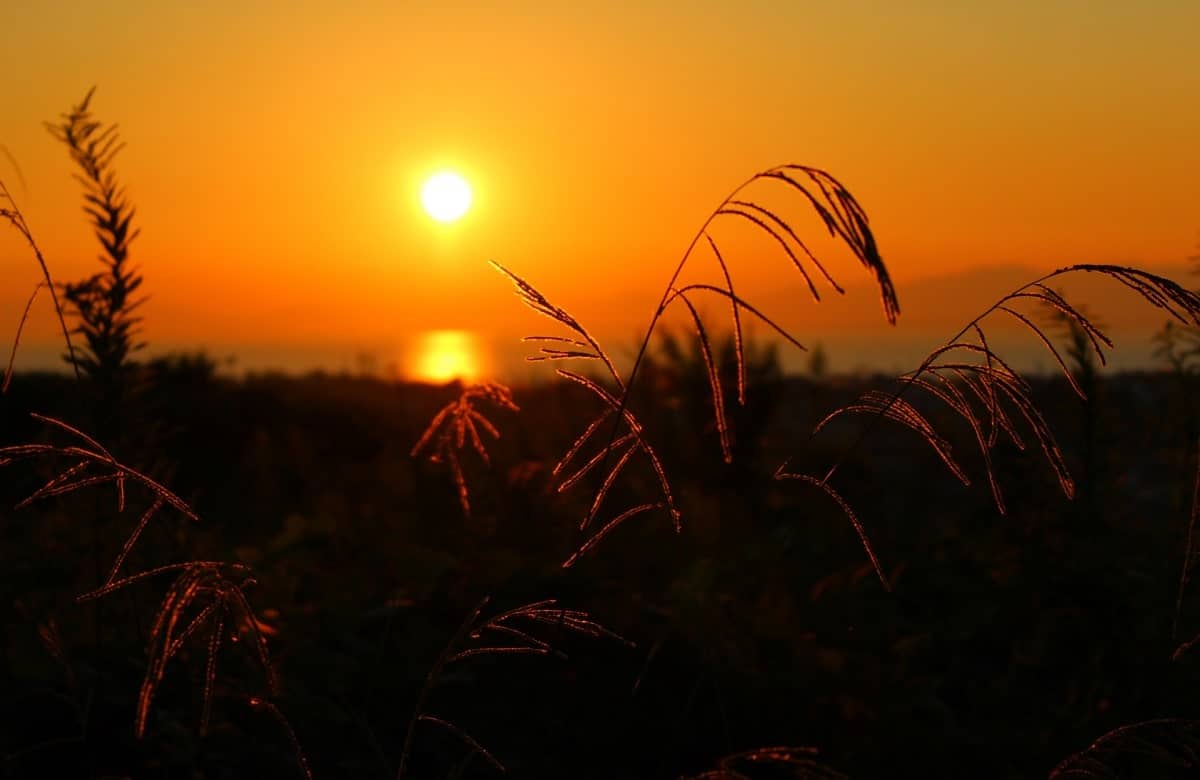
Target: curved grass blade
{"type": "Point", "coordinates": [842, 504]}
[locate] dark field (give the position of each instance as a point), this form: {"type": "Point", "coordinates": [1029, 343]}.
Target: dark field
{"type": "Point", "coordinates": [698, 568]}
{"type": "Point", "coordinates": [1009, 641]}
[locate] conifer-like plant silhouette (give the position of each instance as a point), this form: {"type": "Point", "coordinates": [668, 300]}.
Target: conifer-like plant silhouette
{"type": "Point", "coordinates": [457, 423]}
{"type": "Point", "coordinates": [105, 302]}
{"type": "Point", "coordinates": [616, 435]}
{"type": "Point", "coordinates": [508, 633]}
{"type": "Point", "coordinates": [978, 386]}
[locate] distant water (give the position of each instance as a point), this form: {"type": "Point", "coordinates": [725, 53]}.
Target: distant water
{"type": "Point", "coordinates": [441, 356]}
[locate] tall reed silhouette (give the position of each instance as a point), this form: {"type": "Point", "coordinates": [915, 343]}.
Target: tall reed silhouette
{"type": "Point", "coordinates": [972, 380]}
{"type": "Point", "coordinates": [616, 435]}
{"type": "Point", "coordinates": [106, 302]}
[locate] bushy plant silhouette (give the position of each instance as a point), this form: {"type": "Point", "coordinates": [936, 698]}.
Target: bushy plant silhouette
{"type": "Point", "coordinates": [106, 302]}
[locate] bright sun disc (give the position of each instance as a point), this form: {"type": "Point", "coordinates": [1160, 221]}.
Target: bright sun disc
{"type": "Point", "coordinates": [446, 196]}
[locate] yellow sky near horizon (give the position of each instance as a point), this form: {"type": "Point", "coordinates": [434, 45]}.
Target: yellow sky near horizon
{"type": "Point", "coordinates": [275, 149]}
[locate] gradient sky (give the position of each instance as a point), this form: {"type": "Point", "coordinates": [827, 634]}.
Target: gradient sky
{"type": "Point", "coordinates": [275, 151]}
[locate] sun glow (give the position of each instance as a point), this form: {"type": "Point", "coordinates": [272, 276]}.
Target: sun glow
{"type": "Point", "coordinates": [446, 196]}
{"type": "Point", "coordinates": [445, 355]}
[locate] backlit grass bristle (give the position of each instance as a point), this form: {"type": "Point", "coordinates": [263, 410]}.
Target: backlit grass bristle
{"type": "Point", "coordinates": [1163, 747]}
{"type": "Point", "coordinates": [503, 634]}
{"type": "Point", "coordinates": [201, 596]}
{"type": "Point", "coordinates": [458, 423]}
{"type": "Point", "coordinates": [277, 715]}
{"type": "Point", "coordinates": [842, 216]}
{"type": "Point", "coordinates": [823, 485]}
{"type": "Point", "coordinates": [587, 347]}
{"type": "Point", "coordinates": [89, 455]}
{"type": "Point", "coordinates": [11, 213]}
{"type": "Point", "coordinates": [640, 443]}
{"type": "Point", "coordinates": [12, 357]}
{"type": "Point", "coordinates": [961, 367]}
{"type": "Point", "coordinates": [798, 762]}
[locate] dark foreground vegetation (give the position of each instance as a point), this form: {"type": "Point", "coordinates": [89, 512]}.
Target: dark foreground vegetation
{"type": "Point", "coordinates": [694, 568]}
{"type": "Point", "coordinates": [1008, 643]}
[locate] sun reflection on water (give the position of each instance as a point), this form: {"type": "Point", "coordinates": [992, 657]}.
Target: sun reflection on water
{"type": "Point", "coordinates": [445, 355]}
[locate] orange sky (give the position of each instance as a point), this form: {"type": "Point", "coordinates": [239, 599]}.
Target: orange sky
{"type": "Point", "coordinates": [275, 151]}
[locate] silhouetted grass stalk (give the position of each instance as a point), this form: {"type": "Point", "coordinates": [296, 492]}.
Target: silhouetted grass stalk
{"type": "Point", "coordinates": [1190, 556]}
{"type": "Point", "coordinates": [843, 218]}
{"type": "Point", "coordinates": [12, 213]}
{"type": "Point", "coordinates": [12, 357]}
{"type": "Point", "coordinates": [496, 636]}
{"type": "Point", "coordinates": [459, 422]}
{"type": "Point", "coordinates": [992, 380]}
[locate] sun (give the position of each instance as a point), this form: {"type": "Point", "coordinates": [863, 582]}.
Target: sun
{"type": "Point", "coordinates": [446, 196]}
